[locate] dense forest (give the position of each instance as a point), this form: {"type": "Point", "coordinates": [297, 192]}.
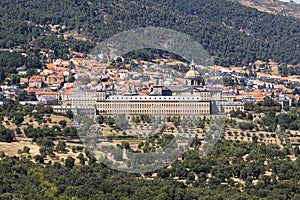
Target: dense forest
{"type": "Point", "coordinates": [233, 170]}
{"type": "Point", "coordinates": [233, 33]}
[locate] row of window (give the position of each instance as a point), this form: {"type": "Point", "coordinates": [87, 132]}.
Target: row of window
{"type": "Point", "coordinates": [151, 106]}
{"type": "Point", "coordinates": [160, 98]}
{"type": "Point", "coordinates": [233, 108]}
{"type": "Point", "coordinates": [167, 112]}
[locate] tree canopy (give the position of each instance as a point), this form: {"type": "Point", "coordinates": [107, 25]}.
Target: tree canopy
{"type": "Point", "coordinates": [231, 32]}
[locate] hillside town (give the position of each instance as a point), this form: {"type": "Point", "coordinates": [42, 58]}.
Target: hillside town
{"type": "Point", "coordinates": [150, 99]}
{"type": "Point", "coordinates": [59, 78]}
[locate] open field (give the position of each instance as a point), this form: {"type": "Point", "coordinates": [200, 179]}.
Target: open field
{"type": "Point", "coordinates": [51, 120]}
{"type": "Point", "coordinates": [11, 149]}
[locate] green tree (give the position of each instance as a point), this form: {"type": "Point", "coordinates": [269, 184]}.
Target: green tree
{"type": "Point", "coordinates": [62, 123]}
{"type": "Point", "coordinates": [26, 149]}
{"type": "Point", "coordinates": [110, 121]}
{"type": "Point", "coordinates": [100, 119]}
{"type": "Point", "coordinates": [19, 119]}
{"type": "Point", "coordinates": [69, 114]}
{"type": "Point", "coordinates": [6, 135]}
{"type": "Point", "coordinates": [2, 154]}
{"type": "Point", "coordinates": [125, 145]}
{"type": "Point", "coordinates": [296, 151]}
{"type": "Point", "coordinates": [254, 138]}
{"type": "Point", "coordinates": [81, 159]}
{"type": "Point", "coordinates": [39, 159]}
{"type": "Point", "coordinates": [69, 162]}
{"type": "Point", "coordinates": [18, 131]}
{"type": "Point", "coordinates": [61, 147]}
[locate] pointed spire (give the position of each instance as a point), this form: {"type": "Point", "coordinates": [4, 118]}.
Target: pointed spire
{"type": "Point", "coordinates": [192, 65]}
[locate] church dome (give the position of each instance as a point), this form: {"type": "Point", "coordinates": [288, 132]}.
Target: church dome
{"type": "Point", "coordinates": [192, 73]}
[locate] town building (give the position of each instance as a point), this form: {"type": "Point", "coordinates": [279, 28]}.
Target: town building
{"type": "Point", "coordinates": [192, 99]}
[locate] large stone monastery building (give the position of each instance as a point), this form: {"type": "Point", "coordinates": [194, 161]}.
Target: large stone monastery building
{"type": "Point", "coordinates": [193, 99]}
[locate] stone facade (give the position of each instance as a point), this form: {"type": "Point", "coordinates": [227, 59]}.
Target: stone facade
{"type": "Point", "coordinates": [194, 99]}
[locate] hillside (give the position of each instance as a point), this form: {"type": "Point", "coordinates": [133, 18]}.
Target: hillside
{"type": "Point", "coordinates": [234, 34]}
{"type": "Point", "coordinates": [274, 7]}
